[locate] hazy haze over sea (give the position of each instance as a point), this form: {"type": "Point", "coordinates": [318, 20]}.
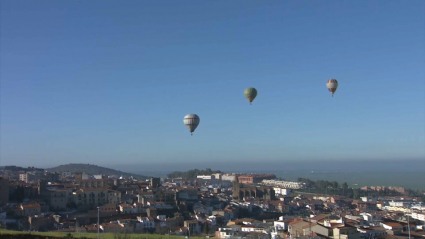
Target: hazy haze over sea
{"type": "Point", "coordinates": [357, 173]}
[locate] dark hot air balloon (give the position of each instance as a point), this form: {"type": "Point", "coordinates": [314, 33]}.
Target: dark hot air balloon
{"type": "Point", "coordinates": [250, 94]}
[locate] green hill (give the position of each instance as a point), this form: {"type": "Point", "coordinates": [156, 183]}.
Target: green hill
{"type": "Point", "coordinates": [93, 169]}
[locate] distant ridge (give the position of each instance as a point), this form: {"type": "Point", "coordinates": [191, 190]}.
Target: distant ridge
{"type": "Point", "coordinates": [93, 169]}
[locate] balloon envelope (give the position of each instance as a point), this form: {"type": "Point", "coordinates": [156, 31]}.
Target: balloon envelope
{"type": "Point", "coordinates": [332, 85]}
{"type": "Point", "coordinates": [250, 94]}
{"type": "Point", "coordinates": [191, 121]}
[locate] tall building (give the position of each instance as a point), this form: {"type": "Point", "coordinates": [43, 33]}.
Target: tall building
{"type": "Point", "coordinates": [42, 187]}
{"type": "Point", "coordinates": [155, 182]}
{"type": "Point", "coordinates": [29, 177]}
{"type": "Point", "coordinates": [4, 190]}
{"type": "Point", "coordinates": [236, 188]}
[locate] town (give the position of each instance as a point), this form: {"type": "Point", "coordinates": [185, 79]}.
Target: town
{"type": "Point", "coordinates": [220, 205]}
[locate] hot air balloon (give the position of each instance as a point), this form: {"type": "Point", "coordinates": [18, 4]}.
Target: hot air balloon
{"type": "Point", "coordinates": [191, 121]}
{"type": "Point", "coordinates": [250, 94]}
{"type": "Point", "coordinates": [332, 85]}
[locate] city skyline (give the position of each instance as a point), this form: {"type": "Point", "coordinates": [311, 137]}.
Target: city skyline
{"type": "Point", "coordinates": [104, 83]}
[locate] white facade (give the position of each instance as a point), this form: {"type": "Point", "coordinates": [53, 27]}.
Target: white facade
{"type": "Point", "coordinates": [399, 204]}
{"type": "Point", "coordinates": [206, 177]}
{"type": "Point", "coordinates": [253, 229]}
{"type": "Point", "coordinates": [228, 177]}
{"type": "Point", "coordinates": [391, 227]}
{"type": "Point", "coordinates": [280, 225]}
{"type": "Point", "coordinates": [282, 191]}
{"type": "Point", "coordinates": [418, 216]}
{"type": "Point", "coordinates": [85, 176]}
{"type": "Point", "coordinates": [401, 209]}
{"type": "Point", "coordinates": [283, 184]}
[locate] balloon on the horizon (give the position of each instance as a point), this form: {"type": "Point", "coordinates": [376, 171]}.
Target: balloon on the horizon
{"type": "Point", "coordinates": [191, 121]}
{"type": "Point", "coordinates": [332, 85]}
{"type": "Point", "coordinates": [250, 94]}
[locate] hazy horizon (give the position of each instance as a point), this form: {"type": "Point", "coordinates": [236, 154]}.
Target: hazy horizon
{"type": "Point", "coordinates": [348, 165]}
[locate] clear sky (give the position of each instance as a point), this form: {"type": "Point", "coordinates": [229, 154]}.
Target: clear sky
{"type": "Point", "coordinates": [109, 82]}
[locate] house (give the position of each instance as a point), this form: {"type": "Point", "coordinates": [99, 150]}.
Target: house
{"type": "Point", "coordinates": [126, 208]}
{"type": "Point", "coordinates": [58, 199]}
{"type": "Point", "coordinates": [112, 228]}
{"type": "Point", "coordinates": [228, 231]}
{"type": "Point", "coordinates": [162, 220]}
{"type": "Point", "coordinates": [393, 226]}
{"type": "Point", "coordinates": [114, 196]}
{"type": "Point", "coordinates": [90, 197]}
{"type": "Point", "coordinates": [365, 206]}
{"type": "Point", "coordinates": [193, 226]}
{"type": "Point", "coordinates": [226, 213]}
{"type": "Point", "coordinates": [372, 232]}
{"type": "Point", "coordinates": [139, 208]}
{"type": "Point", "coordinates": [41, 221]}
{"type": "Point", "coordinates": [321, 230]}
{"type": "Point", "coordinates": [31, 209]}
{"type": "Point", "coordinates": [278, 206]}
{"type": "Point", "coordinates": [108, 208]}
{"type": "Point", "coordinates": [346, 232]}
{"type": "Point", "coordinates": [295, 227]}
{"type": "Point", "coordinates": [282, 225]}
{"type": "Point", "coordinates": [146, 222]}
{"type": "Point", "coordinates": [371, 217]}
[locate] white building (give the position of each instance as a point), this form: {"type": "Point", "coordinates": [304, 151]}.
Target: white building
{"type": "Point", "coordinates": [418, 216]}
{"type": "Point", "coordinates": [283, 184]}
{"type": "Point", "coordinates": [206, 177]}
{"type": "Point", "coordinates": [282, 191]}
{"type": "Point", "coordinates": [399, 204]}
{"type": "Point", "coordinates": [228, 177]}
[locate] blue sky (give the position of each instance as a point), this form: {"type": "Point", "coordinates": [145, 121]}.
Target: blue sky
{"type": "Point", "coordinates": [109, 82]}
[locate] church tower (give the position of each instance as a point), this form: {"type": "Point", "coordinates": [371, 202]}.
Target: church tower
{"type": "Point", "coordinates": [236, 188]}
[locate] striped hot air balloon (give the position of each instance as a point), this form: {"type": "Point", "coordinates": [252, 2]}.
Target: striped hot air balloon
{"type": "Point", "coordinates": [191, 121]}
{"type": "Point", "coordinates": [250, 93]}
{"type": "Point", "coordinates": [332, 85]}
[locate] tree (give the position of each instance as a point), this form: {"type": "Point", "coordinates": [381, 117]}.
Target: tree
{"type": "Point", "coordinates": [356, 193]}
{"type": "Point", "coordinates": [69, 235]}
{"type": "Point", "coordinates": [345, 189]}
{"type": "Point", "coordinates": [206, 228]}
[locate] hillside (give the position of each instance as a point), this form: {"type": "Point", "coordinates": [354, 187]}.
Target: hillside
{"type": "Point", "coordinates": [93, 169]}
{"type": "Point", "coordinates": [192, 173]}
{"type": "Point", "coordinates": [17, 168]}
